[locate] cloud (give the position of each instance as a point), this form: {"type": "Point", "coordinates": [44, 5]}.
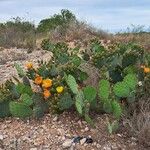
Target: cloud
{"type": "Point", "coordinates": [112, 15]}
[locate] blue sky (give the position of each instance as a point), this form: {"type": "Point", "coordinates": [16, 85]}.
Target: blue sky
{"type": "Point", "coordinates": [111, 15]}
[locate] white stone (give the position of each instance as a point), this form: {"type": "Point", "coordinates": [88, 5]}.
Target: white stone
{"type": "Point", "coordinates": [1, 137]}
{"type": "Point", "coordinates": [82, 141]}
{"type": "Point", "coordinates": [33, 148]}
{"type": "Point", "coordinates": [67, 143]}
{"type": "Point", "coordinates": [55, 118]}
{"type": "Point", "coordinates": [86, 129]}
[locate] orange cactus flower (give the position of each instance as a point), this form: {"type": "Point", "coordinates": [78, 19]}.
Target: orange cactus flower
{"type": "Point", "coordinates": [47, 83]}
{"type": "Point", "coordinates": [46, 93]}
{"type": "Point", "coordinates": [29, 65]}
{"type": "Point", "coordinates": [146, 70]}
{"type": "Point", "coordinates": [59, 89]}
{"type": "Point", "coordinates": [38, 80]}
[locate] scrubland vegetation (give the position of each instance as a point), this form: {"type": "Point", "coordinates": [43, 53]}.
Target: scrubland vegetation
{"type": "Point", "coordinates": [101, 73]}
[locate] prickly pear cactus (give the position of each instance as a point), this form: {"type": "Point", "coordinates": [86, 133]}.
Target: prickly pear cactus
{"type": "Point", "coordinates": [131, 80]}
{"type": "Point", "coordinates": [72, 84]}
{"type": "Point", "coordinates": [116, 108]}
{"type": "Point", "coordinates": [19, 69]}
{"type": "Point", "coordinates": [89, 93]}
{"type": "Point", "coordinates": [26, 99]}
{"type": "Point", "coordinates": [65, 101]}
{"type": "Point", "coordinates": [121, 89]}
{"type": "Point", "coordinates": [104, 90]}
{"type": "Point", "coordinates": [22, 89]}
{"type": "Point", "coordinates": [20, 110]}
{"type": "Point", "coordinates": [4, 109]}
{"type": "Point", "coordinates": [79, 102]}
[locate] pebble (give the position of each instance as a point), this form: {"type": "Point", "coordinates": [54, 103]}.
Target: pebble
{"type": "Point", "coordinates": [82, 141]}
{"type": "Point", "coordinates": [1, 137]}
{"type": "Point", "coordinates": [98, 146]}
{"type": "Point", "coordinates": [33, 148]}
{"type": "Point", "coordinates": [55, 118]}
{"type": "Point", "coordinates": [67, 143]}
{"type": "Point", "coordinates": [86, 129]}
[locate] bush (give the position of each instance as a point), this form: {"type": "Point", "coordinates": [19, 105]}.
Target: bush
{"type": "Point", "coordinates": [17, 33]}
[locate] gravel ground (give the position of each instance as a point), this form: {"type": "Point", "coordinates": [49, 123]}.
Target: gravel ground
{"type": "Point", "coordinates": [54, 132]}
{"type": "Point", "coordinates": [9, 56]}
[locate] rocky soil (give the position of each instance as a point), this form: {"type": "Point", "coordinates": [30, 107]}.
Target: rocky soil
{"type": "Point", "coordinates": [54, 132]}
{"type": "Point", "coordinates": [57, 132]}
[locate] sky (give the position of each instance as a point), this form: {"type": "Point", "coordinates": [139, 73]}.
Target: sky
{"type": "Point", "coordinates": [110, 15]}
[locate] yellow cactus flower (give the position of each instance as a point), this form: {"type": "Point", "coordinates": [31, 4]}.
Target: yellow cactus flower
{"type": "Point", "coordinates": [46, 93]}
{"type": "Point", "coordinates": [29, 65]}
{"type": "Point", "coordinates": [146, 70]}
{"type": "Point", "coordinates": [38, 80]}
{"type": "Point", "coordinates": [59, 89]}
{"type": "Point", "coordinates": [47, 83]}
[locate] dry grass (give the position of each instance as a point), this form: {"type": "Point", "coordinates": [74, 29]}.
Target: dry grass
{"type": "Point", "coordinates": [140, 38]}
{"type": "Point", "coordinates": [78, 31]}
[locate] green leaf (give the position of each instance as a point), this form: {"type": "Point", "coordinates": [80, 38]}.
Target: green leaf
{"type": "Point", "coordinates": [26, 99]}
{"type": "Point", "coordinates": [89, 93]}
{"type": "Point", "coordinates": [72, 84]}
{"type": "Point", "coordinates": [104, 90]}
{"type": "Point", "coordinates": [79, 102]}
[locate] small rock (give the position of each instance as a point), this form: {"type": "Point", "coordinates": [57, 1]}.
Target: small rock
{"type": "Point", "coordinates": [1, 137]}
{"type": "Point", "coordinates": [86, 129]}
{"type": "Point", "coordinates": [67, 143]}
{"type": "Point", "coordinates": [119, 135]}
{"type": "Point", "coordinates": [33, 148]}
{"type": "Point", "coordinates": [82, 141]}
{"type": "Point", "coordinates": [63, 138]}
{"type": "Point", "coordinates": [55, 118]}
{"type": "Point", "coordinates": [85, 144]}
{"type": "Point", "coordinates": [98, 146]}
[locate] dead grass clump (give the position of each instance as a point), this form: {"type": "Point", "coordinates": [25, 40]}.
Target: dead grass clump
{"type": "Point", "coordinates": [77, 31]}
{"type": "Point", "coordinates": [140, 121]}
{"type": "Point", "coordinates": [140, 38]}
{"type": "Point", "coordinates": [17, 33]}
